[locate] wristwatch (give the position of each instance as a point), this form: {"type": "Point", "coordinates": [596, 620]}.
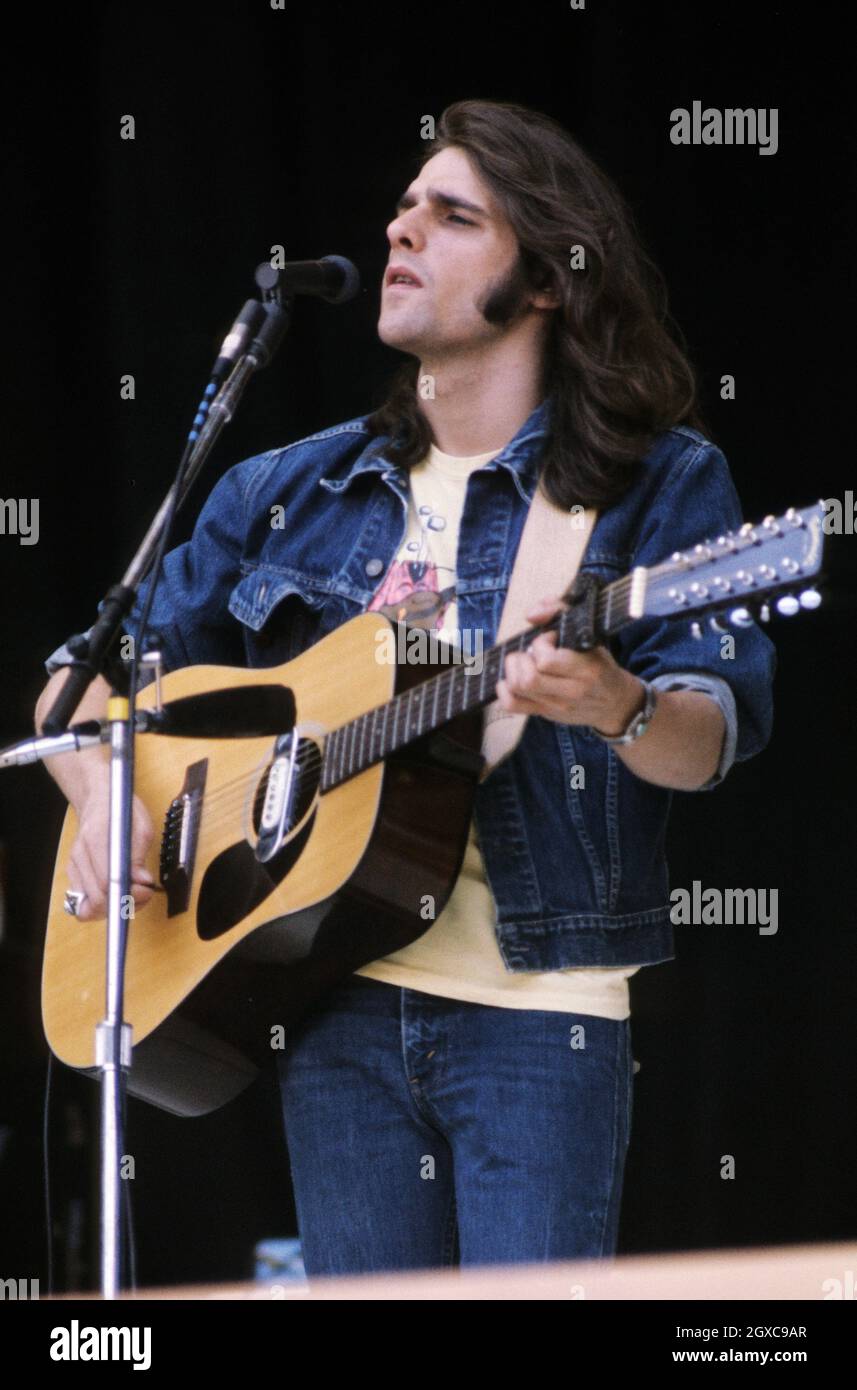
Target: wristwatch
{"type": "Point", "coordinates": [639, 722]}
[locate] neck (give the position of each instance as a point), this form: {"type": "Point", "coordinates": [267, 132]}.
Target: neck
{"type": "Point", "coordinates": [480, 405]}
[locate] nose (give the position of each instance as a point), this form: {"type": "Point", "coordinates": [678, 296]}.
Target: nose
{"type": "Point", "coordinates": [406, 230]}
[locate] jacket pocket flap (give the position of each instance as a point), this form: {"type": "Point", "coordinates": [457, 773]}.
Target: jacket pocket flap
{"type": "Point", "coordinates": [256, 596]}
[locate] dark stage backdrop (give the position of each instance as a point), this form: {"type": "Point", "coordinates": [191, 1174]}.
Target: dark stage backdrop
{"type": "Point", "coordinates": [257, 126]}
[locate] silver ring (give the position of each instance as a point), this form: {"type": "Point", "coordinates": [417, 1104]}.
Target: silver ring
{"type": "Point", "coordinates": [72, 902]}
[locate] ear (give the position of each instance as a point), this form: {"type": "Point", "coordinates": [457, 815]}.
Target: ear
{"type": "Point", "coordinates": [545, 299]}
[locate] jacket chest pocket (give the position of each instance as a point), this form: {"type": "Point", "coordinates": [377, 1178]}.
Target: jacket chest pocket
{"type": "Point", "coordinates": [282, 614]}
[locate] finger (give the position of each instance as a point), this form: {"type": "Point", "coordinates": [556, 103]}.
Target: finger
{"type": "Point", "coordinates": [509, 702]}
{"type": "Point", "coordinates": [142, 834]}
{"type": "Point", "coordinates": [141, 894]}
{"type": "Point", "coordinates": [534, 682]}
{"type": "Point", "coordinates": [94, 885]}
{"type": "Point", "coordinates": [520, 704]}
{"type": "Point", "coordinates": [557, 661]}
{"type": "Point", "coordinates": [79, 870]}
{"type": "Point", "coordinates": [94, 905]}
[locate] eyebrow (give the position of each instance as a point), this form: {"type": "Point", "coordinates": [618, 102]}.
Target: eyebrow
{"type": "Point", "coordinates": [445, 200]}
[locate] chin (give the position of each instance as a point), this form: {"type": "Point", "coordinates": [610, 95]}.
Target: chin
{"type": "Point", "coordinates": [395, 339]}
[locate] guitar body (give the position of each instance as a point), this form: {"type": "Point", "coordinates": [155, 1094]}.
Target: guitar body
{"type": "Point", "coordinates": [238, 948]}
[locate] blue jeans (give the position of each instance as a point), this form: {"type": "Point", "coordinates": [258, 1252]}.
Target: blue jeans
{"type": "Point", "coordinates": [425, 1132]}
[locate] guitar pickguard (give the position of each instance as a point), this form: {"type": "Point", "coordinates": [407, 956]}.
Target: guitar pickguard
{"type": "Point", "coordinates": [235, 883]}
{"type": "Point", "coordinates": [281, 815]}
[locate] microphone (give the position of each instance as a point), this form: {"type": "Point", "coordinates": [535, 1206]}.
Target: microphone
{"type": "Point", "coordinates": [332, 278]}
{"type": "Point", "coordinates": [243, 330]}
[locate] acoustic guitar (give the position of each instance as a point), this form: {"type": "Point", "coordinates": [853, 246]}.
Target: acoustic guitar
{"type": "Point", "coordinates": [286, 862]}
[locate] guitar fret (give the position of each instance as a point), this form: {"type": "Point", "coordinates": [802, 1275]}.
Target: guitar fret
{"type": "Point", "coordinates": [346, 752]}
{"type": "Point", "coordinates": [362, 754]}
{"type": "Point", "coordinates": [327, 758]}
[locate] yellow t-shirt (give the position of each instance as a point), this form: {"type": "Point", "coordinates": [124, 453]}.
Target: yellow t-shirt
{"type": "Point", "coordinates": [458, 956]}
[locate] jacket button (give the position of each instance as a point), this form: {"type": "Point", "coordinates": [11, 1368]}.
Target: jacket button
{"type": "Point", "coordinates": [374, 566]}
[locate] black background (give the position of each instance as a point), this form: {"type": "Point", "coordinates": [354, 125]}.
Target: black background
{"type": "Point", "coordinates": [256, 127]}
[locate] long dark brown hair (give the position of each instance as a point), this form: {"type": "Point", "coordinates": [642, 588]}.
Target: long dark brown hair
{"type": "Point", "coordinates": [613, 371]}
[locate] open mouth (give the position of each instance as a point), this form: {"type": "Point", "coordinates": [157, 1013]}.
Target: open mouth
{"type": "Point", "coordinates": [398, 277]}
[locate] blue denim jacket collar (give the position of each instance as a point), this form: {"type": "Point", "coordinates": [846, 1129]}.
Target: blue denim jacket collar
{"type": "Point", "coordinates": [519, 457]}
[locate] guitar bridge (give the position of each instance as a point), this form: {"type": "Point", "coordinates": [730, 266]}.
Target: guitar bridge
{"type": "Point", "coordinates": [180, 839]}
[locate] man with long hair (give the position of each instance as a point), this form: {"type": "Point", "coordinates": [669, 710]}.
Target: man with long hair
{"type": "Point", "coordinates": [469, 1097]}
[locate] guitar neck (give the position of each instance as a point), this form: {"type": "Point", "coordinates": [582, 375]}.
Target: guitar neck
{"type": "Point", "coordinates": [739, 572]}
{"type": "Point", "coordinates": [465, 685]}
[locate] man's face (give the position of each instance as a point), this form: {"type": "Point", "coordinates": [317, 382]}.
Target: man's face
{"type": "Point", "coordinates": [451, 234]}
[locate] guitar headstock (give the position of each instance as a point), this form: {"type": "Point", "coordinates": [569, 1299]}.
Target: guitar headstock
{"type": "Point", "coordinates": [738, 575]}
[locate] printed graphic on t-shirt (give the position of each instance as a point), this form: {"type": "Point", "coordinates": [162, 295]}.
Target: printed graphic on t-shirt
{"type": "Point", "coordinates": [417, 591]}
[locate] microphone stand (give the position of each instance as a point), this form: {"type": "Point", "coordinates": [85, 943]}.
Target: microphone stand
{"type": "Point", "coordinates": [113, 1041]}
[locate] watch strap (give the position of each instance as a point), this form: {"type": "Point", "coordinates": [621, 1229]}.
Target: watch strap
{"type": "Point", "coordinates": [639, 722]}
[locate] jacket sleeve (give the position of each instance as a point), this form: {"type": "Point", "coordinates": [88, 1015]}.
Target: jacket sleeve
{"type": "Point", "coordinates": [698, 501]}
{"type": "Point", "coordinates": [190, 616]}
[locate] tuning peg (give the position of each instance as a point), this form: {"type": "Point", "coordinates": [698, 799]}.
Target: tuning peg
{"type": "Point", "coordinates": [696, 632]}
{"type": "Point", "coordinates": [716, 625]}
{"type": "Point", "coordinates": [810, 598]}
{"type": "Point", "coordinates": [741, 617]}
{"type": "Point", "coordinates": [765, 613]}
{"type": "Point", "coordinates": [787, 605]}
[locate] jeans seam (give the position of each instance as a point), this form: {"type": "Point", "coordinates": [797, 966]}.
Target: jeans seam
{"type": "Point", "coordinates": [621, 1046]}
{"type": "Point", "coordinates": [448, 1247]}
{"type": "Point", "coordinates": [420, 1103]}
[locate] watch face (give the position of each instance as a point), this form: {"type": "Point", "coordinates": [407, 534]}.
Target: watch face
{"type": "Point", "coordinates": [640, 722]}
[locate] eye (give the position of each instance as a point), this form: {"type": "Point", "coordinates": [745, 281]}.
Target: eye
{"type": "Point", "coordinates": [455, 217]}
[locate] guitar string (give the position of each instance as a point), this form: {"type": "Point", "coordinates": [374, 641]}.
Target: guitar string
{"type": "Point", "coordinates": [222, 801]}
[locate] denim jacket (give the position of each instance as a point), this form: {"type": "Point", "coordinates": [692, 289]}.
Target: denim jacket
{"type": "Point", "coordinates": [294, 542]}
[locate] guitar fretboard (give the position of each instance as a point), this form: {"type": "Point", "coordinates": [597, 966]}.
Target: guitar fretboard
{"type": "Point", "coordinates": [372, 736]}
